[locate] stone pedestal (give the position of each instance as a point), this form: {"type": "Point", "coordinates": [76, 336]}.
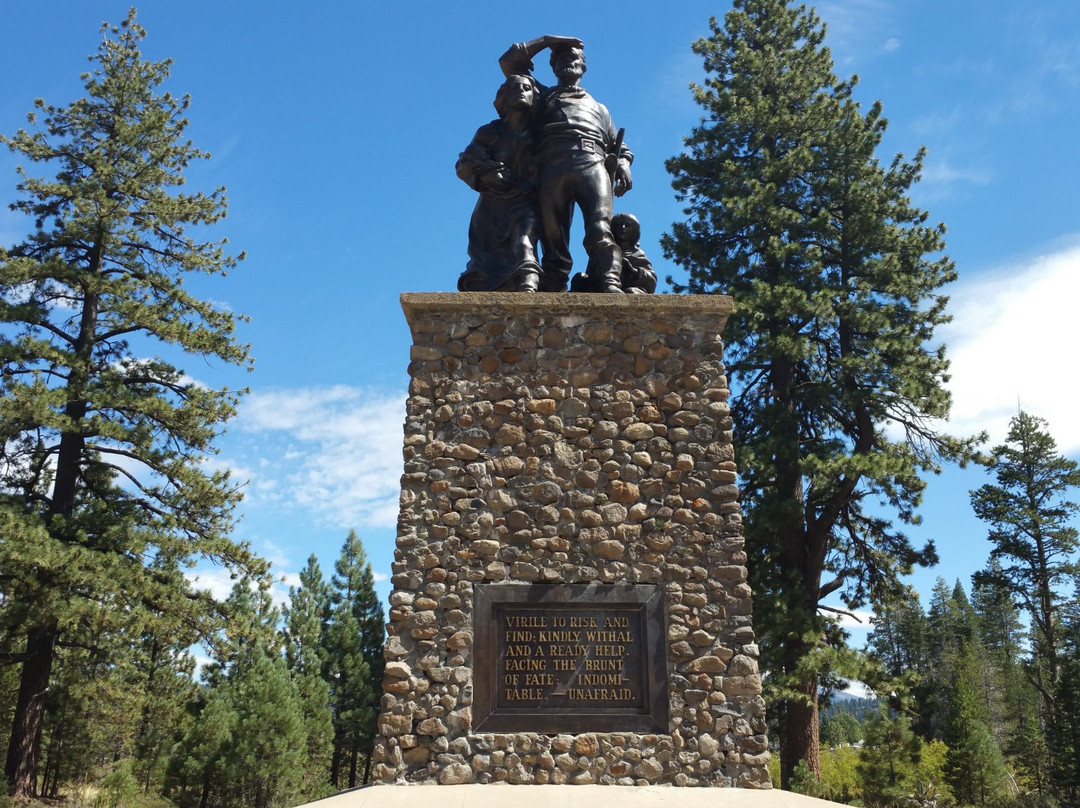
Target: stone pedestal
{"type": "Point", "coordinates": [570, 601]}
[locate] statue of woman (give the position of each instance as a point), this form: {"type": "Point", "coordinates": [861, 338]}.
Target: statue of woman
{"type": "Point", "coordinates": [500, 165]}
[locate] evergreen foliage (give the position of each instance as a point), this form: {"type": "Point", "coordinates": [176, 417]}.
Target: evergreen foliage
{"type": "Point", "coordinates": [974, 766]}
{"type": "Point", "coordinates": [840, 728]}
{"type": "Point", "coordinates": [888, 765]}
{"type": "Point", "coordinates": [837, 295]}
{"type": "Point", "coordinates": [1012, 701]}
{"type": "Point", "coordinates": [103, 490]}
{"type": "Point", "coordinates": [899, 662]}
{"type": "Point", "coordinates": [899, 635]}
{"type": "Point", "coordinates": [306, 618]}
{"type": "Point", "coordinates": [804, 781]}
{"type": "Point", "coordinates": [1034, 559]}
{"type": "Point", "coordinates": [1064, 735]}
{"type": "Point", "coordinates": [950, 629]}
{"type": "Point", "coordinates": [971, 696]}
{"type": "Point", "coordinates": [248, 745]}
{"type": "Point", "coordinates": [198, 772]}
{"type": "Point", "coordinates": [119, 787]}
{"type": "Point", "coordinates": [354, 663]}
{"type": "Point", "coordinates": [267, 760]}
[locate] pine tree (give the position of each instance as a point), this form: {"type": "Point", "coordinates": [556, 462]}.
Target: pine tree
{"type": "Point", "coordinates": [353, 644]}
{"type": "Point", "coordinates": [250, 623]}
{"type": "Point", "coordinates": [974, 767]}
{"type": "Point", "coordinates": [248, 745]}
{"type": "Point", "coordinates": [1011, 699]}
{"type": "Point", "coordinates": [898, 637]}
{"type": "Point", "coordinates": [950, 628]}
{"type": "Point", "coordinates": [306, 618]}
{"type": "Point", "coordinates": [198, 771]}
{"type": "Point", "coordinates": [1064, 739]}
{"type": "Point", "coordinates": [93, 707]}
{"type": "Point", "coordinates": [900, 662]}
{"type": "Point", "coordinates": [101, 472]}
{"type": "Point", "coordinates": [164, 678]}
{"type": "Point", "coordinates": [888, 760]}
{"type": "Point", "coordinates": [162, 673]}
{"type": "Point", "coordinates": [830, 347]}
{"type": "Point", "coordinates": [1034, 556]}
{"type": "Point", "coordinates": [267, 758]}
{"type": "Point", "coordinates": [1035, 545]}
{"type": "Point", "coordinates": [840, 728]}
{"type": "Point", "coordinates": [118, 693]}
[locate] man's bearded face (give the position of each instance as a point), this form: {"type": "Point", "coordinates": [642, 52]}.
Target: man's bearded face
{"type": "Point", "coordinates": [568, 65]}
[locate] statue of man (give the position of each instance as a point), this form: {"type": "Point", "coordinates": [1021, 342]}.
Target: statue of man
{"type": "Point", "coordinates": [574, 137]}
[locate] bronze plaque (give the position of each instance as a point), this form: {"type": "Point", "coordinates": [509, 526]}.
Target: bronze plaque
{"type": "Point", "coordinates": [567, 658]}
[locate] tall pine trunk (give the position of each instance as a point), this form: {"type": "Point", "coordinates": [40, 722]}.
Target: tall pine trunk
{"type": "Point", "coordinates": [799, 733]}
{"type": "Point", "coordinates": [799, 722]}
{"type": "Point", "coordinates": [335, 760]}
{"type": "Point", "coordinates": [367, 767]}
{"type": "Point", "coordinates": [24, 748]}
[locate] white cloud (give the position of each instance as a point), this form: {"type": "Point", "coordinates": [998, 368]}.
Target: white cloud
{"type": "Point", "coordinates": [942, 172]}
{"type": "Point", "coordinates": [217, 579]}
{"type": "Point", "coordinates": [280, 564]}
{"type": "Point", "coordinates": [290, 580]}
{"type": "Point", "coordinates": [275, 554]}
{"type": "Point", "coordinates": [1011, 344]}
{"type": "Point", "coordinates": [858, 27]}
{"type": "Point", "coordinates": [938, 123]}
{"type": "Point", "coordinates": [279, 591]}
{"type": "Point", "coordinates": [220, 582]}
{"type": "Point", "coordinates": [333, 451]}
{"type": "Point", "coordinates": [852, 620]}
{"type": "Point", "coordinates": [858, 690]}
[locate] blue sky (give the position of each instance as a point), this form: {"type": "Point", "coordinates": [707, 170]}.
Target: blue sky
{"type": "Point", "coordinates": [335, 127]}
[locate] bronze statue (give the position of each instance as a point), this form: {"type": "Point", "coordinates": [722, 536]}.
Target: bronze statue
{"type": "Point", "coordinates": [551, 148]}
{"type": "Point", "coordinates": [638, 276]}
{"type": "Point", "coordinates": [574, 137]}
{"type": "Point", "coordinates": [499, 163]}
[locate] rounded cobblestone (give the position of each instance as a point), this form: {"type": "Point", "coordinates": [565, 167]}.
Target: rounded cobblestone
{"type": "Point", "coordinates": [541, 448]}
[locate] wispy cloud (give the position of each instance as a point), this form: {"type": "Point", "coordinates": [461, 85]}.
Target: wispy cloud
{"type": "Point", "coordinates": [1011, 342]}
{"type": "Point", "coordinates": [669, 89]}
{"type": "Point", "coordinates": [1020, 76]}
{"type": "Point", "coordinates": [857, 620]}
{"type": "Point", "coordinates": [859, 28]}
{"type": "Point", "coordinates": [333, 451]}
{"type": "Point", "coordinates": [218, 580]}
{"type": "Point", "coordinates": [1049, 46]}
{"type": "Point", "coordinates": [939, 174]}
{"type": "Point", "coordinates": [943, 172]}
{"type": "Point", "coordinates": [940, 122]}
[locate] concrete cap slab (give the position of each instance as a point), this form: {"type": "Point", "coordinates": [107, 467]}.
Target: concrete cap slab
{"type": "Point", "coordinates": [502, 795]}
{"type": "Point", "coordinates": [699, 312]}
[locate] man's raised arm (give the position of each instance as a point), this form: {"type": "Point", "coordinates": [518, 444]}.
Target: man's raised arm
{"type": "Point", "coordinates": [518, 58]}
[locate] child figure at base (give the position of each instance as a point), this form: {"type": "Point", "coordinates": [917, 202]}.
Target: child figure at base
{"type": "Point", "coordinates": [638, 276]}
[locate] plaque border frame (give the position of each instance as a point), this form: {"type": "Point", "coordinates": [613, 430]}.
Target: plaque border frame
{"type": "Point", "coordinates": [488, 717]}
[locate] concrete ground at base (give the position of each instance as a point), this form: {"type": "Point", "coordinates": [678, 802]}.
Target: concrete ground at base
{"type": "Point", "coordinates": [501, 795]}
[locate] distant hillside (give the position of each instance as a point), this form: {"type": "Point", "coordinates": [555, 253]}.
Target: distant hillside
{"type": "Point", "coordinates": [859, 707]}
